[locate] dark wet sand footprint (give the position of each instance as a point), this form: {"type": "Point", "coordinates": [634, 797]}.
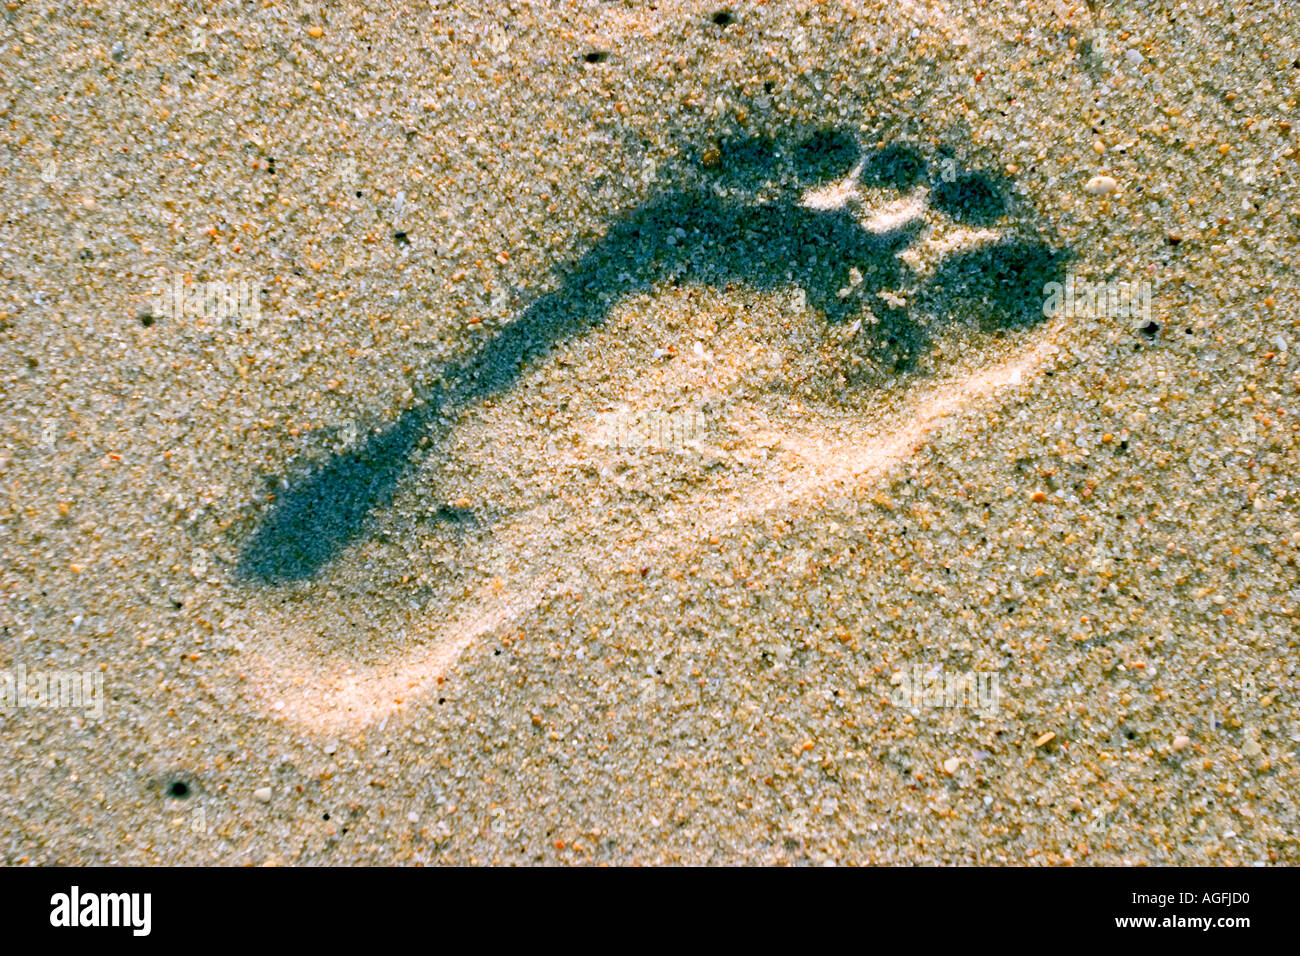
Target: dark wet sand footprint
{"type": "Point", "coordinates": [868, 261]}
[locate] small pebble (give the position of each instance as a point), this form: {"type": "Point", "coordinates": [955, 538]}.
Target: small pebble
{"type": "Point", "coordinates": [262, 794]}
{"type": "Point", "coordinates": [1100, 186]}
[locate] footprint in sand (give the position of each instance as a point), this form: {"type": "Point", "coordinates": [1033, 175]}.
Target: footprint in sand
{"type": "Point", "coordinates": [582, 438]}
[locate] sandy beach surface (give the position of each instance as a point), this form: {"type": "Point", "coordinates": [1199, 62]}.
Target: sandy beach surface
{"type": "Point", "coordinates": [611, 432]}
